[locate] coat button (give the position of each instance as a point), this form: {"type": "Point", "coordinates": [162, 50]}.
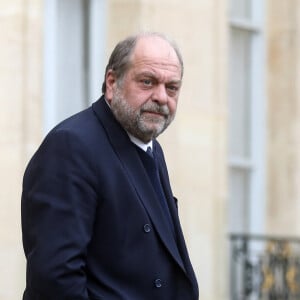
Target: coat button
{"type": "Point", "coordinates": [158, 283]}
{"type": "Point", "coordinates": [147, 228]}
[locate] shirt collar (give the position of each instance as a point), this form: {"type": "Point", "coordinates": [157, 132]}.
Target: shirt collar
{"type": "Point", "coordinates": [139, 143]}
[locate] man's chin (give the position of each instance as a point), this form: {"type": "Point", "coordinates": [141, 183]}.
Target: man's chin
{"type": "Point", "coordinates": [147, 135]}
{"type": "Point", "coordinates": [149, 130]}
{"type": "Point", "coordinates": [154, 131]}
{"type": "Point", "coordinates": [153, 124]}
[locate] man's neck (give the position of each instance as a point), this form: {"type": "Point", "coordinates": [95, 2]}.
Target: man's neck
{"type": "Point", "coordinates": [140, 143]}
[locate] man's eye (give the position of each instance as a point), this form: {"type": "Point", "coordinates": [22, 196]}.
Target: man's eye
{"type": "Point", "coordinates": [147, 82]}
{"type": "Point", "coordinates": [173, 88]}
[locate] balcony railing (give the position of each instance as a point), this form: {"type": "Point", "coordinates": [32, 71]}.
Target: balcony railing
{"type": "Point", "coordinates": [264, 268]}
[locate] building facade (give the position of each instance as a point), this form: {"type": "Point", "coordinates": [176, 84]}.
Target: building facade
{"type": "Point", "coordinates": [234, 149]}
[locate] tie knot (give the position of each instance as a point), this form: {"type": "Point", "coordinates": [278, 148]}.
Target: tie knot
{"type": "Point", "coordinates": [149, 151]}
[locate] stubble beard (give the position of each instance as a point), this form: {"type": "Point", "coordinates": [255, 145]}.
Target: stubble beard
{"type": "Point", "coordinates": [136, 121]}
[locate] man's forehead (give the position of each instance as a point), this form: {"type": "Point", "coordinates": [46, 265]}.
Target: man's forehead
{"type": "Point", "coordinates": [156, 49]}
{"type": "Point", "coordinates": [152, 69]}
{"type": "Point", "coordinates": [155, 52]}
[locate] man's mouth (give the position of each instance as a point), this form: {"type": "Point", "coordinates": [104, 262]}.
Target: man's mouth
{"type": "Point", "coordinates": [154, 113]}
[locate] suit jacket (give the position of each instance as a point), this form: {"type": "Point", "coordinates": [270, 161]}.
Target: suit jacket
{"type": "Point", "coordinates": [92, 225]}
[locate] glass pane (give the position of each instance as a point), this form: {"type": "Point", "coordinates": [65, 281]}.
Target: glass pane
{"type": "Point", "coordinates": [239, 200]}
{"type": "Point", "coordinates": [239, 94]}
{"type": "Point", "coordinates": [71, 89]}
{"type": "Point", "coordinates": [241, 9]}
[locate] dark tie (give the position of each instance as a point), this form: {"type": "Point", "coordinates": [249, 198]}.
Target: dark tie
{"type": "Point", "coordinates": [156, 182]}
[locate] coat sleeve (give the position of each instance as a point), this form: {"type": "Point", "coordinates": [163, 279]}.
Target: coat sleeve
{"type": "Point", "coordinates": [59, 201]}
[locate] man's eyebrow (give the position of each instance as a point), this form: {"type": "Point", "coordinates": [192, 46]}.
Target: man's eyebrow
{"type": "Point", "coordinates": [147, 74]}
{"type": "Point", "coordinates": [175, 81]}
{"type": "Point", "coordinates": [154, 76]}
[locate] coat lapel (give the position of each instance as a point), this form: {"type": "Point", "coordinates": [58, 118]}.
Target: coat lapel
{"type": "Point", "coordinates": [174, 213]}
{"type": "Point", "coordinates": [134, 168]}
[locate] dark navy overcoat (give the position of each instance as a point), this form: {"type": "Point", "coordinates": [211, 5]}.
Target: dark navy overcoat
{"type": "Point", "coordinates": [92, 225]}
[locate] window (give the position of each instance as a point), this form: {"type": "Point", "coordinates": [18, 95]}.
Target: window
{"type": "Point", "coordinates": [74, 53]}
{"type": "Point", "coordinates": [246, 116]}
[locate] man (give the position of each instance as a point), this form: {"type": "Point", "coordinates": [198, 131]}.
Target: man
{"type": "Point", "coordinates": [98, 216]}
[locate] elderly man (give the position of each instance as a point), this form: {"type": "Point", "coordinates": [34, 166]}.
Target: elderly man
{"type": "Point", "coordinates": [99, 218]}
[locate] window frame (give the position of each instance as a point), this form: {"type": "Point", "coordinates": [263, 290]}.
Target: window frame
{"type": "Point", "coordinates": [256, 163]}
{"type": "Point", "coordinates": [92, 76]}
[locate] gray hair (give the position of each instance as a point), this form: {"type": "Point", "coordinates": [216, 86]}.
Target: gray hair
{"type": "Point", "coordinates": [119, 60]}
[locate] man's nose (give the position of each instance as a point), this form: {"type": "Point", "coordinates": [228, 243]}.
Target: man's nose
{"type": "Point", "coordinates": [160, 94]}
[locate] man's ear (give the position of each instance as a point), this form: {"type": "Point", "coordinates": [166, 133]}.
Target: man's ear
{"type": "Point", "coordinates": [110, 81]}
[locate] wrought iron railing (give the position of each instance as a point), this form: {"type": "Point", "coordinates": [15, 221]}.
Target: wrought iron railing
{"type": "Point", "coordinates": [264, 268]}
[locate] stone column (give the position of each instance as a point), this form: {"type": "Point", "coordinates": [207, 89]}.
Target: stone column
{"type": "Point", "coordinates": [20, 127]}
{"type": "Point", "coordinates": [284, 115]}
